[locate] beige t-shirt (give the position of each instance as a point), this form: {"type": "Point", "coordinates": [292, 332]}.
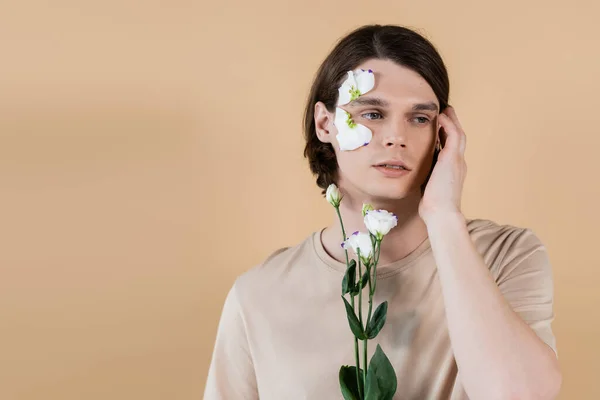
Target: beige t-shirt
{"type": "Point", "coordinates": [284, 334]}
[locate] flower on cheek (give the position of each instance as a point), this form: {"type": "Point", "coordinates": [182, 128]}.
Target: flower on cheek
{"type": "Point", "coordinates": [350, 135]}
{"type": "Point", "coordinates": [356, 84]}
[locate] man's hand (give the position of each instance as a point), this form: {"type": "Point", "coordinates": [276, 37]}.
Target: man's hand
{"type": "Point", "coordinates": [443, 192]}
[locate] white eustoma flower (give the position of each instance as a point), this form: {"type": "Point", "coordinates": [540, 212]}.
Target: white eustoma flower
{"type": "Point", "coordinates": [380, 222]}
{"type": "Point", "coordinates": [356, 84]}
{"type": "Point", "coordinates": [350, 135]}
{"type": "Point", "coordinates": [333, 195]}
{"type": "Point", "coordinates": [360, 241]}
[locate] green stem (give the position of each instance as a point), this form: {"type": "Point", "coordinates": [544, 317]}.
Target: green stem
{"type": "Point", "coordinates": [371, 291]}
{"type": "Point", "coordinates": [372, 284]}
{"type": "Point", "coordinates": [360, 319]}
{"type": "Point", "coordinates": [365, 362]}
{"type": "Point", "coordinates": [357, 358]}
{"type": "Point", "coordinates": [370, 296]}
{"type": "Point", "coordinates": [360, 293]}
{"type": "Point", "coordinates": [378, 252]}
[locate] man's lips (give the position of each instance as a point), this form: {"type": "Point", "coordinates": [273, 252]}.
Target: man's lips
{"type": "Point", "coordinates": [392, 164]}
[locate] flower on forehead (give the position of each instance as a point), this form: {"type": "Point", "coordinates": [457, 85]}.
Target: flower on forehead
{"type": "Point", "coordinates": [350, 135]}
{"type": "Point", "coordinates": [380, 222]}
{"type": "Point", "coordinates": [360, 241]}
{"type": "Point", "coordinates": [356, 84]}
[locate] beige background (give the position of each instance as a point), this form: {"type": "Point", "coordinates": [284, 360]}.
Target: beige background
{"type": "Point", "coordinates": [152, 151]}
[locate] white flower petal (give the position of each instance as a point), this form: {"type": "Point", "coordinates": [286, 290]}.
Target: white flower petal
{"type": "Point", "coordinates": [365, 80]}
{"type": "Point", "coordinates": [340, 118]}
{"type": "Point", "coordinates": [350, 138]}
{"type": "Point", "coordinates": [333, 195]}
{"type": "Point", "coordinates": [344, 94]}
{"type": "Point", "coordinates": [351, 141]}
{"type": "Point", "coordinates": [350, 79]}
{"type": "Point", "coordinates": [380, 222]}
{"type": "Point", "coordinates": [360, 241]}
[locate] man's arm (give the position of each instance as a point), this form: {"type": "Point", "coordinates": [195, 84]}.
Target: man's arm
{"type": "Point", "coordinates": [498, 355]}
{"type": "Point", "coordinates": [231, 373]}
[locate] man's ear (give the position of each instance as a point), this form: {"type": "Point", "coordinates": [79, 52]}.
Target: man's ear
{"type": "Point", "coordinates": [323, 123]}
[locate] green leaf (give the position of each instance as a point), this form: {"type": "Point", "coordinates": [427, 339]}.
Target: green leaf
{"type": "Point", "coordinates": [361, 283]}
{"type": "Point", "coordinates": [377, 320]}
{"type": "Point", "coordinates": [381, 378]}
{"type": "Point", "coordinates": [348, 384]}
{"type": "Point", "coordinates": [364, 280]}
{"type": "Point", "coordinates": [349, 278]}
{"type": "Point", "coordinates": [355, 325]}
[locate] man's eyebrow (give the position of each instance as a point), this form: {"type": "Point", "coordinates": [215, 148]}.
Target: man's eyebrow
{"type": "Point", "coordinates": [425, 107]}
{"type": "Point", "coordinates": [377, 102]}
{"type": "Point", "coordinates": [369, 101]}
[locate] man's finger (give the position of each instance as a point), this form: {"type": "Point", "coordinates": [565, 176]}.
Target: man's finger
{"type": "Point", "coordinates": [452, 133]}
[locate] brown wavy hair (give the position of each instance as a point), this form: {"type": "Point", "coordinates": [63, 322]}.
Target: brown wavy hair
{"type": "Point", "coordinates": [399, 44]}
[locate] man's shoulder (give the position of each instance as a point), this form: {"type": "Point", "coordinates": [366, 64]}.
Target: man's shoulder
{"type": "Point", "coordinates": [276, 264]}
{"type": "Point", "coordinates": [500, 244]}
{"type": "Point", "coordinates": [489, 231]}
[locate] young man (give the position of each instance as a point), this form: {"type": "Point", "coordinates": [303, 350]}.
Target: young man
{"type": "Point", "coordinates": [470, 301]}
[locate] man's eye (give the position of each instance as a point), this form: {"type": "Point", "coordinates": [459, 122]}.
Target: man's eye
{"type": "Point", "coordinates": [422, 120]}
{"type": "Point", "coordinates": [372, 115]}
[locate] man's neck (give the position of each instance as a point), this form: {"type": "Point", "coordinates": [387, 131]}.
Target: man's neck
{"type": "Point", "coordinates": [410, 232]}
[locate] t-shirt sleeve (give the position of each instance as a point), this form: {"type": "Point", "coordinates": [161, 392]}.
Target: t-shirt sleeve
{"type": "Point", "coordinates": [527, 284]}
{"type": "Point", "coordinates": [231, 372]}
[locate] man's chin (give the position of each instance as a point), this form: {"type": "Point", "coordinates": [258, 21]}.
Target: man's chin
{"type": "Point", "coordinates": [390, 193]}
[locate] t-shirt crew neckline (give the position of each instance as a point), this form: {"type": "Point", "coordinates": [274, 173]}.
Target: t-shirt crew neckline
{"type": "Point", "coordinates": [382, 270]}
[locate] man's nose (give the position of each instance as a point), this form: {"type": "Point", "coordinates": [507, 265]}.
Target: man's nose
{"type": "Point", "coordinates": [395, 134]}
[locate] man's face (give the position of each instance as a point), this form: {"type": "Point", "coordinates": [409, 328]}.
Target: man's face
{"type": "Point", "coordinates": [401, 111]}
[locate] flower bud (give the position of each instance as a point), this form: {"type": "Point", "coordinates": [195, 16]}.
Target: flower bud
{"type": "Point", "coordinates": [333, 195]}
{"type": "Point", "coordinates": [366, 208]}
